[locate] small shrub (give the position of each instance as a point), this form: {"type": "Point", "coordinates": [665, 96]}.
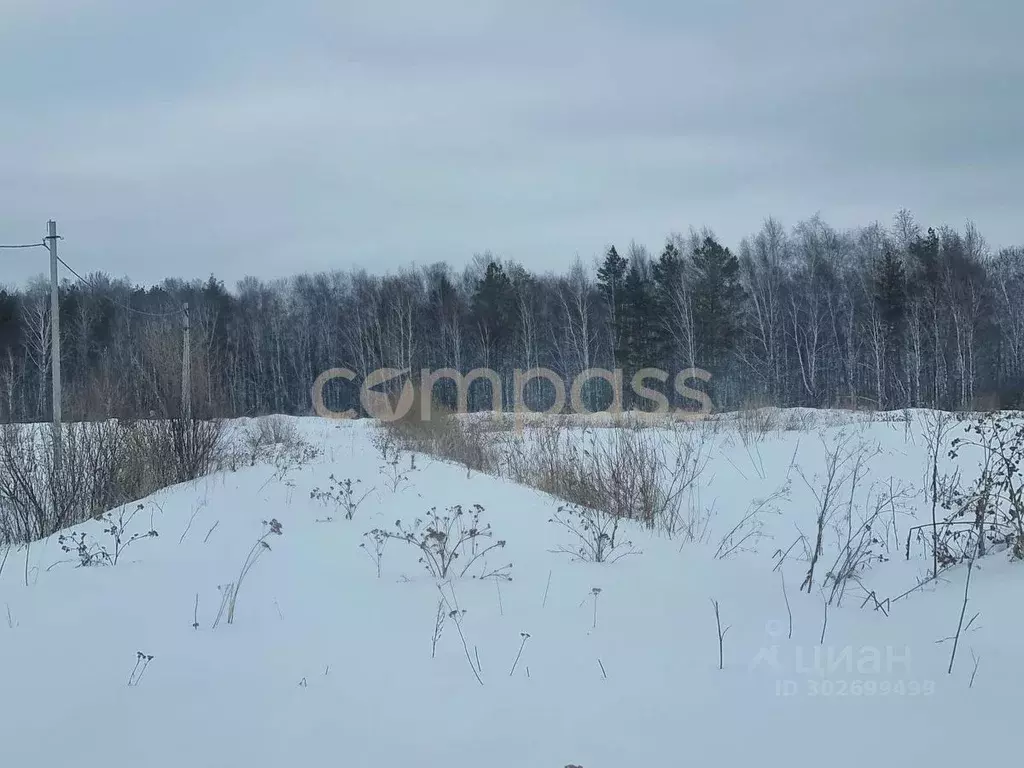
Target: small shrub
{"type": "Point", "coordinates": [93, 553]}
{"type": "Point", "coordinates": [864, 542]}
{"type": "Point", "coordinates": [843, 472]}
{"type": "Point", "coordinates": [271, 438]}
{"type": "Point", "coordinates": [195, 445]}
{"type": "Point", "coordinates": [595, 533]}
{"type": "Point", "coordinates": [341, 495]}
{"type": "Point", "coordinates": [989, 513]}
{"type": "Point", "coordinates": [629, 472]}
{"type": "Point", "coordinates": [466, 442]}
{"type": "Point", "coordinates": [442, 433]}
{"type": "Point", "coordinates": [103, 465]}
{"type": "Point", "coordinates": [88, 553]}
{"type": "Point", "coordinates": [117, 527]}
{"type": "Point", "coordinates": [755, 421]}
{"type": "Point", "coordinates": [445, 538]}
{"type": "Point", "coordinates": [393, 467]}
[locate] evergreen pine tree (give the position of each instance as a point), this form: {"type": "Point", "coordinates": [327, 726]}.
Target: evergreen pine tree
{"type": "Point", "coordinates": [717, 301]}
{"type": "Point", "coordinates": [668, 274]}
{"type": "Point", "coordinates": [639, 321]}
{"type": "Point", "coordinates": [610, 282]}
{"type": "Point", "coordinates": [494, 306]}
{"type": "Point", "coordinates": [890, 283]}
{"type": "Point", "coordinates": [890, 297]}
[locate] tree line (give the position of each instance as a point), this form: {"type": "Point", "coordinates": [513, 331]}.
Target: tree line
{"type": "Point", "coordinates": [884, 316]}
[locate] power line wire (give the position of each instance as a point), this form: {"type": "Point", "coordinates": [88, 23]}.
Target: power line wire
{"type": "Point", "coordinates": [96, 288]}
{"type": "Point", "coordinates": [93, 285]}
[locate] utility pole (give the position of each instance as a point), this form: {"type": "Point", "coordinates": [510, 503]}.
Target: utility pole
{"type": "Point", "coordinates": [186, 365]}
{"type": "Point", "coordinates": [51, 241]}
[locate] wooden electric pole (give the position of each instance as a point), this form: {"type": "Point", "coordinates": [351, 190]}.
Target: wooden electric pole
{"type": "Point", "coordinates": [51, 242]}
{"type": "Point", "coordinates": [186, 365]}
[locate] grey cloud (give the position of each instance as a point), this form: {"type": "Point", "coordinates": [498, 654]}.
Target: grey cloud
{"type": "Point", "coordinates": [269, 138]}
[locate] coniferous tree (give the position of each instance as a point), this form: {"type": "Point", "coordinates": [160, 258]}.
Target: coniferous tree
{"type": "Point", "coordinates": [890, 297]}
{"type": "Point", "coordinates": [494, 315]}
{"type": "Point", "coordinates": [639, 319]}
{"type": "Point", "coordinates": [898, 315]}
{"type": "Point", "coordinates": [926, 290]}
{"type": "Point", "coordinates": [717, 303]}
{"type": "Point", "coordinates": [668, 275]}
{"type": "Point", "coordinates": [611, 278]}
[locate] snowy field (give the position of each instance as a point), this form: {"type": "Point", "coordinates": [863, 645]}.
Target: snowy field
{"type": "Point", "coordinates": [333, 658]}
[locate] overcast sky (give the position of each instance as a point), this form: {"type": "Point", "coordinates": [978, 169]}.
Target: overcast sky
{"type": "Point", "coordinates": [184, 137]}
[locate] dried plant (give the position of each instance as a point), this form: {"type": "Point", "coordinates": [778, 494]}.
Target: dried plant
{"type": "Point", "coordinates": [230, 594]}
{"type": "Point", "coordinates": [444, 539]}
{"type": "Point", "coordinates": [595, 533]}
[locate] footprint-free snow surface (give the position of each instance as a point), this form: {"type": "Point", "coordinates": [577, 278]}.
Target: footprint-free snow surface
{"type": "Point", "coordinates": [609, 665]}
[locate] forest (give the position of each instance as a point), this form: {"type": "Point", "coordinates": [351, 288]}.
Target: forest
{"type": "Point", "coordinates": [881, 316]}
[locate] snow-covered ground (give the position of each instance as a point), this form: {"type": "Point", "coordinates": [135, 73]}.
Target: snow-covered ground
{"type": "Point", "coordinates": [326, 663]}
